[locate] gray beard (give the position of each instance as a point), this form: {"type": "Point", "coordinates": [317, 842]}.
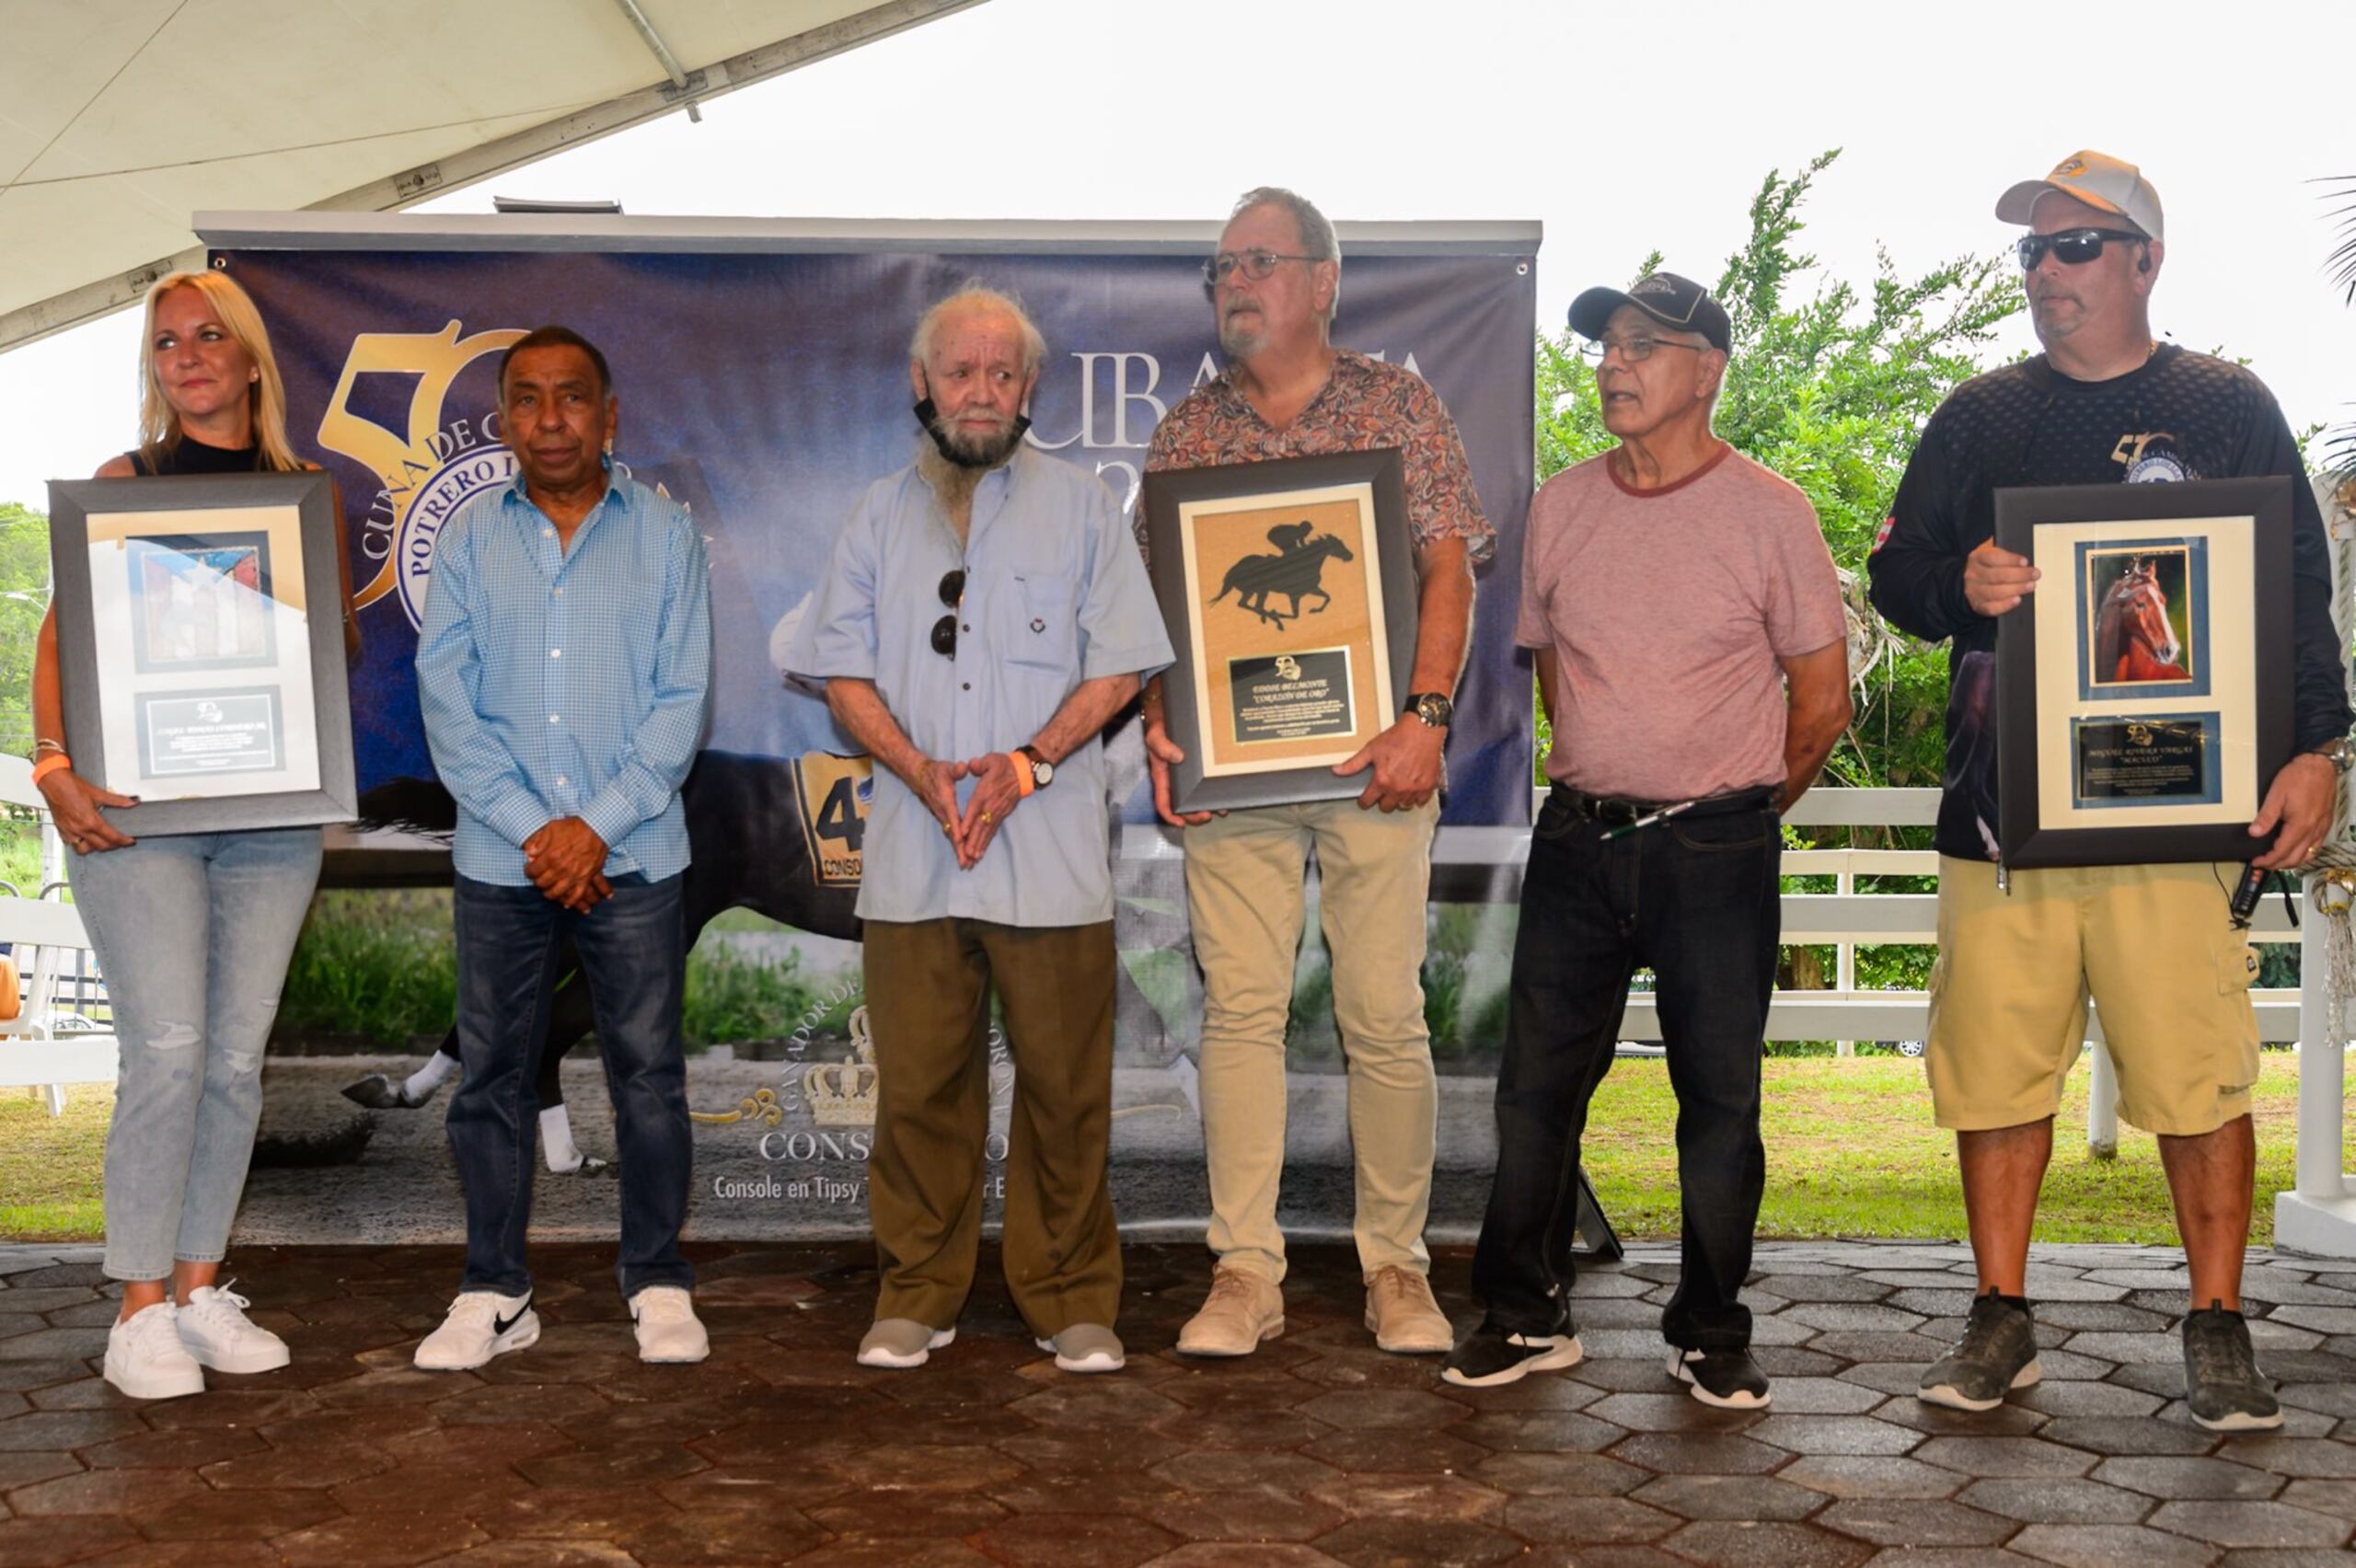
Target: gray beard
{"type": "Point", "coordinates": [1237, 344]}
{"type": "Point", "coordinates": [955, 483]}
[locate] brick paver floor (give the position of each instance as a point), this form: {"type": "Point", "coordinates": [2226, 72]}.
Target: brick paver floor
{"type": "Point", "coordinates": [1319, 1449]}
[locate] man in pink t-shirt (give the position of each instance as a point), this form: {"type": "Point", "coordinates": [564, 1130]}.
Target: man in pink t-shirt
{"type": "Point", "coordinates": [1691, 654]}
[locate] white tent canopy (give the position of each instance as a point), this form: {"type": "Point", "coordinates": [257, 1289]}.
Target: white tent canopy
{"type": "Point", "coordinates": [120, 118]}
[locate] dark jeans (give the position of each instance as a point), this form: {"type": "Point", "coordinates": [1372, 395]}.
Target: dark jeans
{"type": "Point", "coordinates": [634, 958]}
{"type": "Point", "coordinates": [1694, 898]}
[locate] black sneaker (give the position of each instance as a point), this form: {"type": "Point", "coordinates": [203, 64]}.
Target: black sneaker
{"type": "Point", "coordinates": [1728, 1379]}
{"type": "Point", "coordinates": [2221, 1382]}
{"type": "Point", "coordinates": [1998, 1355]}
{"type": "Point", "coordinates": [1492, 1354]}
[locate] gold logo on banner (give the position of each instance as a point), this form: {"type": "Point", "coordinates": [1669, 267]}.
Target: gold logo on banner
{"type": "Point", "coordinates": [836, 792]}
{"type": "Point", "coordinates": [424, 472]}
{"type": "Point", "coordinates": [843, 1094]}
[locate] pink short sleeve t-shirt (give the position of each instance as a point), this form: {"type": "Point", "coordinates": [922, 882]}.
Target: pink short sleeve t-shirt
{"type": "Point", "coordinates": [1667, 611]}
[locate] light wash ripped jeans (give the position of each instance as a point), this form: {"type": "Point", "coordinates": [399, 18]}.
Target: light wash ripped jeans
{"type": "Point", "coordinates": [194, 933]}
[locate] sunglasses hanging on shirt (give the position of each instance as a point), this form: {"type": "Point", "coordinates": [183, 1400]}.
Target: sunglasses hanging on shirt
{"type": "Point", "coordinates": [944, 631]}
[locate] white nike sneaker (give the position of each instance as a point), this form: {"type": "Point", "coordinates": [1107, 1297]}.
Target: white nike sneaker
{"type": "Point", "coordinates": [145, 1358]}
{"type": "Point", "coordinates": [482, 1324]}
{"type": "Point", "coordinates": [668, 1329]}
{"type": "Point", "coordinates": [216, 1331]}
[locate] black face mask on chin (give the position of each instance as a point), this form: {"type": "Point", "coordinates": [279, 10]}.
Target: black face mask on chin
{"type": "Point", "coordinates": [928, 416]}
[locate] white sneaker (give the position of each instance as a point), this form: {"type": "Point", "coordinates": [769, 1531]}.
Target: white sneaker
{"type": "Point", "coordinates": [667, 1327]}
{"type": "Point", "coordinates": [482, 1324]}
{"type": "Point", "coordinates": [145, 1358]}
{"type": "Point", "coordinates": [214, 1327]}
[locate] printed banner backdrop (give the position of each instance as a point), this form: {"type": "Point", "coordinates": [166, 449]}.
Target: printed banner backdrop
{"type": "Point", "coordinates": [765, 390]}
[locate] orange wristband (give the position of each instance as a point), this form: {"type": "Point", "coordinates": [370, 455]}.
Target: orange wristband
{"type": "Point", "coordinates": [1024, 781]}
{"type": "Point", "coordinates": [55, 762]}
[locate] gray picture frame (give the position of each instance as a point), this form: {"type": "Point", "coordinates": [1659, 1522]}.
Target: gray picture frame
{"type": "Point", "coordinates": [192, 502]}
{"type": "Point", "coordinates": [1165, 492]}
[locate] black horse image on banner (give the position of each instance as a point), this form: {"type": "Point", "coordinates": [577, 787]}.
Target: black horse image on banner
{"type": "Point", "coordinates": [1295, 573]}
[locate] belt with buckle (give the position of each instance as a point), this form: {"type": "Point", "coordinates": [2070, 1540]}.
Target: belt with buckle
{"type": "Point", "coordinates": [1618, 811]}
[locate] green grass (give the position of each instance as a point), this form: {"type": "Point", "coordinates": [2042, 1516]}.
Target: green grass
{"type": "Point", "coordinates": [1852, 1151]}
{"type": "Point", "coordinates": [50, 1166]}
{"type": "Point", "coordinates": [382, 965]}
{"type": "Point", "coordinates": [1827, 1175]}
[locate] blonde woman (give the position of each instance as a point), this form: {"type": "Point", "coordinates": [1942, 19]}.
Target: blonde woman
{"type": "Point", "coordinates": [193, 931]}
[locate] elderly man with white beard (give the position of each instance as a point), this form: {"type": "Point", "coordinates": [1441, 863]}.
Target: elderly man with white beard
{"type": "Point", "coordinates": [985, 613]}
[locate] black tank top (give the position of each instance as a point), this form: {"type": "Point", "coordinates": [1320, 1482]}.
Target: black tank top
{"type": "Point", "coordinates": [195, 458]}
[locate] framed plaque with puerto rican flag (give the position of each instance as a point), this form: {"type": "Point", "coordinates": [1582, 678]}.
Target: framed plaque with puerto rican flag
{"type": "Point", "coordinates": [201, 648]}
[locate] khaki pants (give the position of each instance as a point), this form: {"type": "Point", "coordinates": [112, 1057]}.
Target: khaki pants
{"type": "Point", "coordinates": [1244, 897]}
{"type": "Point", "coordinates": [927, 999]}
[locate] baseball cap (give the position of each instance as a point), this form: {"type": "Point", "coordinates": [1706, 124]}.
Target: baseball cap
{"type": "Point", "coordinates": [2097, 180]}
{"type": "Point", "coordinates": [1677, 303]}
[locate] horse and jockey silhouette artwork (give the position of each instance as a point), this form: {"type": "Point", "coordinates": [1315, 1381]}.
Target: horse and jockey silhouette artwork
{"type": "Point", "coordinates": [1294, 571]}
{"type": "Point", "coordinates": [2134, 639]}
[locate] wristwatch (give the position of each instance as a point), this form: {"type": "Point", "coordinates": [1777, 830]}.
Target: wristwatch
{"type": "Point", "coordinates": [1043, 772]}
{"type": "Point", "coordinates": [1432, 708]}
{"type": "Point", "coordinates": [2339, 752]}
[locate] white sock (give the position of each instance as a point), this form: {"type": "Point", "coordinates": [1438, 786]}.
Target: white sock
{"type": "Point", "coordinates": [563, 1156]}
{"type": "Point", "coordinates": [422, 1083]}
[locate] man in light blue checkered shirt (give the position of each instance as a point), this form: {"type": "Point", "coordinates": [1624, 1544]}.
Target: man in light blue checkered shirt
{"type": "Point", "coordinates": [565, 672]}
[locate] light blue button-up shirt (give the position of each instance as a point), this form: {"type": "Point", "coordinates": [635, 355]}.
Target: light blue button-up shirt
{"type": "Point", "coordinates": [561, 683]}
{"type": "Point", "coordinates": [1056, 594]}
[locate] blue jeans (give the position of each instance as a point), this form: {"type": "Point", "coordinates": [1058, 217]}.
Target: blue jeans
{"type": "Point", "coordinates": [634, 960]}
{"type": "Point", "coordinates": [1695, 898]}
{"type": "Point", "coordinates": [192, 934]}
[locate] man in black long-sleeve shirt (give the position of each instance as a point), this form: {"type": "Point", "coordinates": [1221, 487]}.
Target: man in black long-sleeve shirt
{"type": "Point", "coordinates": [2155, 945]}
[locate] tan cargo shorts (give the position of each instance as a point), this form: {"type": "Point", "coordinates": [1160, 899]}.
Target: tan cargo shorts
{"type": "Point", "coordinates": [2156, 948]}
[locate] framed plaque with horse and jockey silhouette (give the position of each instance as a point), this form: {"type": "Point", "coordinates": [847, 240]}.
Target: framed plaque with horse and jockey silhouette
{"type": "Point", "coordinates": [1290, 597]}
{"type": "Point", "coordinates": [2144, 688]}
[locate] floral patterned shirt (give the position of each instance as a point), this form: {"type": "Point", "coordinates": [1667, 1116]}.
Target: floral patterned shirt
{"type": "Point", "coordinates": [1363, 406]}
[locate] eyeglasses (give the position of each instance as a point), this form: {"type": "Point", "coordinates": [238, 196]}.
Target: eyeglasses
{"type": "Point", "coordinates": [2071, 248]}
{"type": "Point", "coordinates": [1634, 350]}
{"type": "Point", "coordinates": [944, 631]}
{"type": "Point", "coordinates": [1256, 264]}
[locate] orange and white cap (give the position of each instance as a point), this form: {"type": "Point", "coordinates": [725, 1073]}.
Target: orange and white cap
{"type": "Point", "coordinates": [2097, 180]}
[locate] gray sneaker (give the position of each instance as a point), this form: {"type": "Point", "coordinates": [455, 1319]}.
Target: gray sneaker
{"type": "Point", "coordinates": [2221, 1382]}
{"type": "Point", "coordinates": [1998, 1355]}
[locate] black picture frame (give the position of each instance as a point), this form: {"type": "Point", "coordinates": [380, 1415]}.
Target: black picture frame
{"type": "Point", "coordinates": [183, 508]}
{"type": "Point", "coordinates": [1167, 493]}
{"type": "Point", "coordinates": [2026, 731]}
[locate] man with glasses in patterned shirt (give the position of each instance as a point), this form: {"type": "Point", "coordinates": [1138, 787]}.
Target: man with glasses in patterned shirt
{"type": "Point", "coordinates": [986, 611]}
{"type": "Point", "coordinates": [2156, 945]}
{"type": "Point", "coordinates": [1288, 392]}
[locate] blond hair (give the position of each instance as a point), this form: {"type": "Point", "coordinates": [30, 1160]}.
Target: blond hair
{"type": "Point", "coordinates": [159, 424]}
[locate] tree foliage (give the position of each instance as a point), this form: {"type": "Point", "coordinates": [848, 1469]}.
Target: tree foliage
{"type": "Point", "coordinates": [1829, 390]}
{"type": "Point", "coordinates": [24, 595]}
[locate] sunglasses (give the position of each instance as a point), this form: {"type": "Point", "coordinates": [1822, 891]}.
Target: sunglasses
{"type": "Point", "coordinates": [2071, 248]}
{"type": "Point", "coordinates": [944, 631]}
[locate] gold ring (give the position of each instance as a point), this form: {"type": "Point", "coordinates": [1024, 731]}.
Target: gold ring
{"type": "Point", "coordinates": [986, 816]}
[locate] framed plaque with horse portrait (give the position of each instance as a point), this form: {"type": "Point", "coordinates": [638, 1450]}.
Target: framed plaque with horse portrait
{"type": "Point", "coordinates": [2144, 688]}
{"type": "Point", "coordinates": [200, 642]}
{"type": "Point", "coordinates": [1289, 594]}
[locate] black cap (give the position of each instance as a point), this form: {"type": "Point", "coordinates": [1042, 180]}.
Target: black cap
{"type": "Point", "coordinates": [1674, 302]}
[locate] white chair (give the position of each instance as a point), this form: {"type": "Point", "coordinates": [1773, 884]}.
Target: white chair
{"type": "Point", "coordinates": [48, 1045]}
